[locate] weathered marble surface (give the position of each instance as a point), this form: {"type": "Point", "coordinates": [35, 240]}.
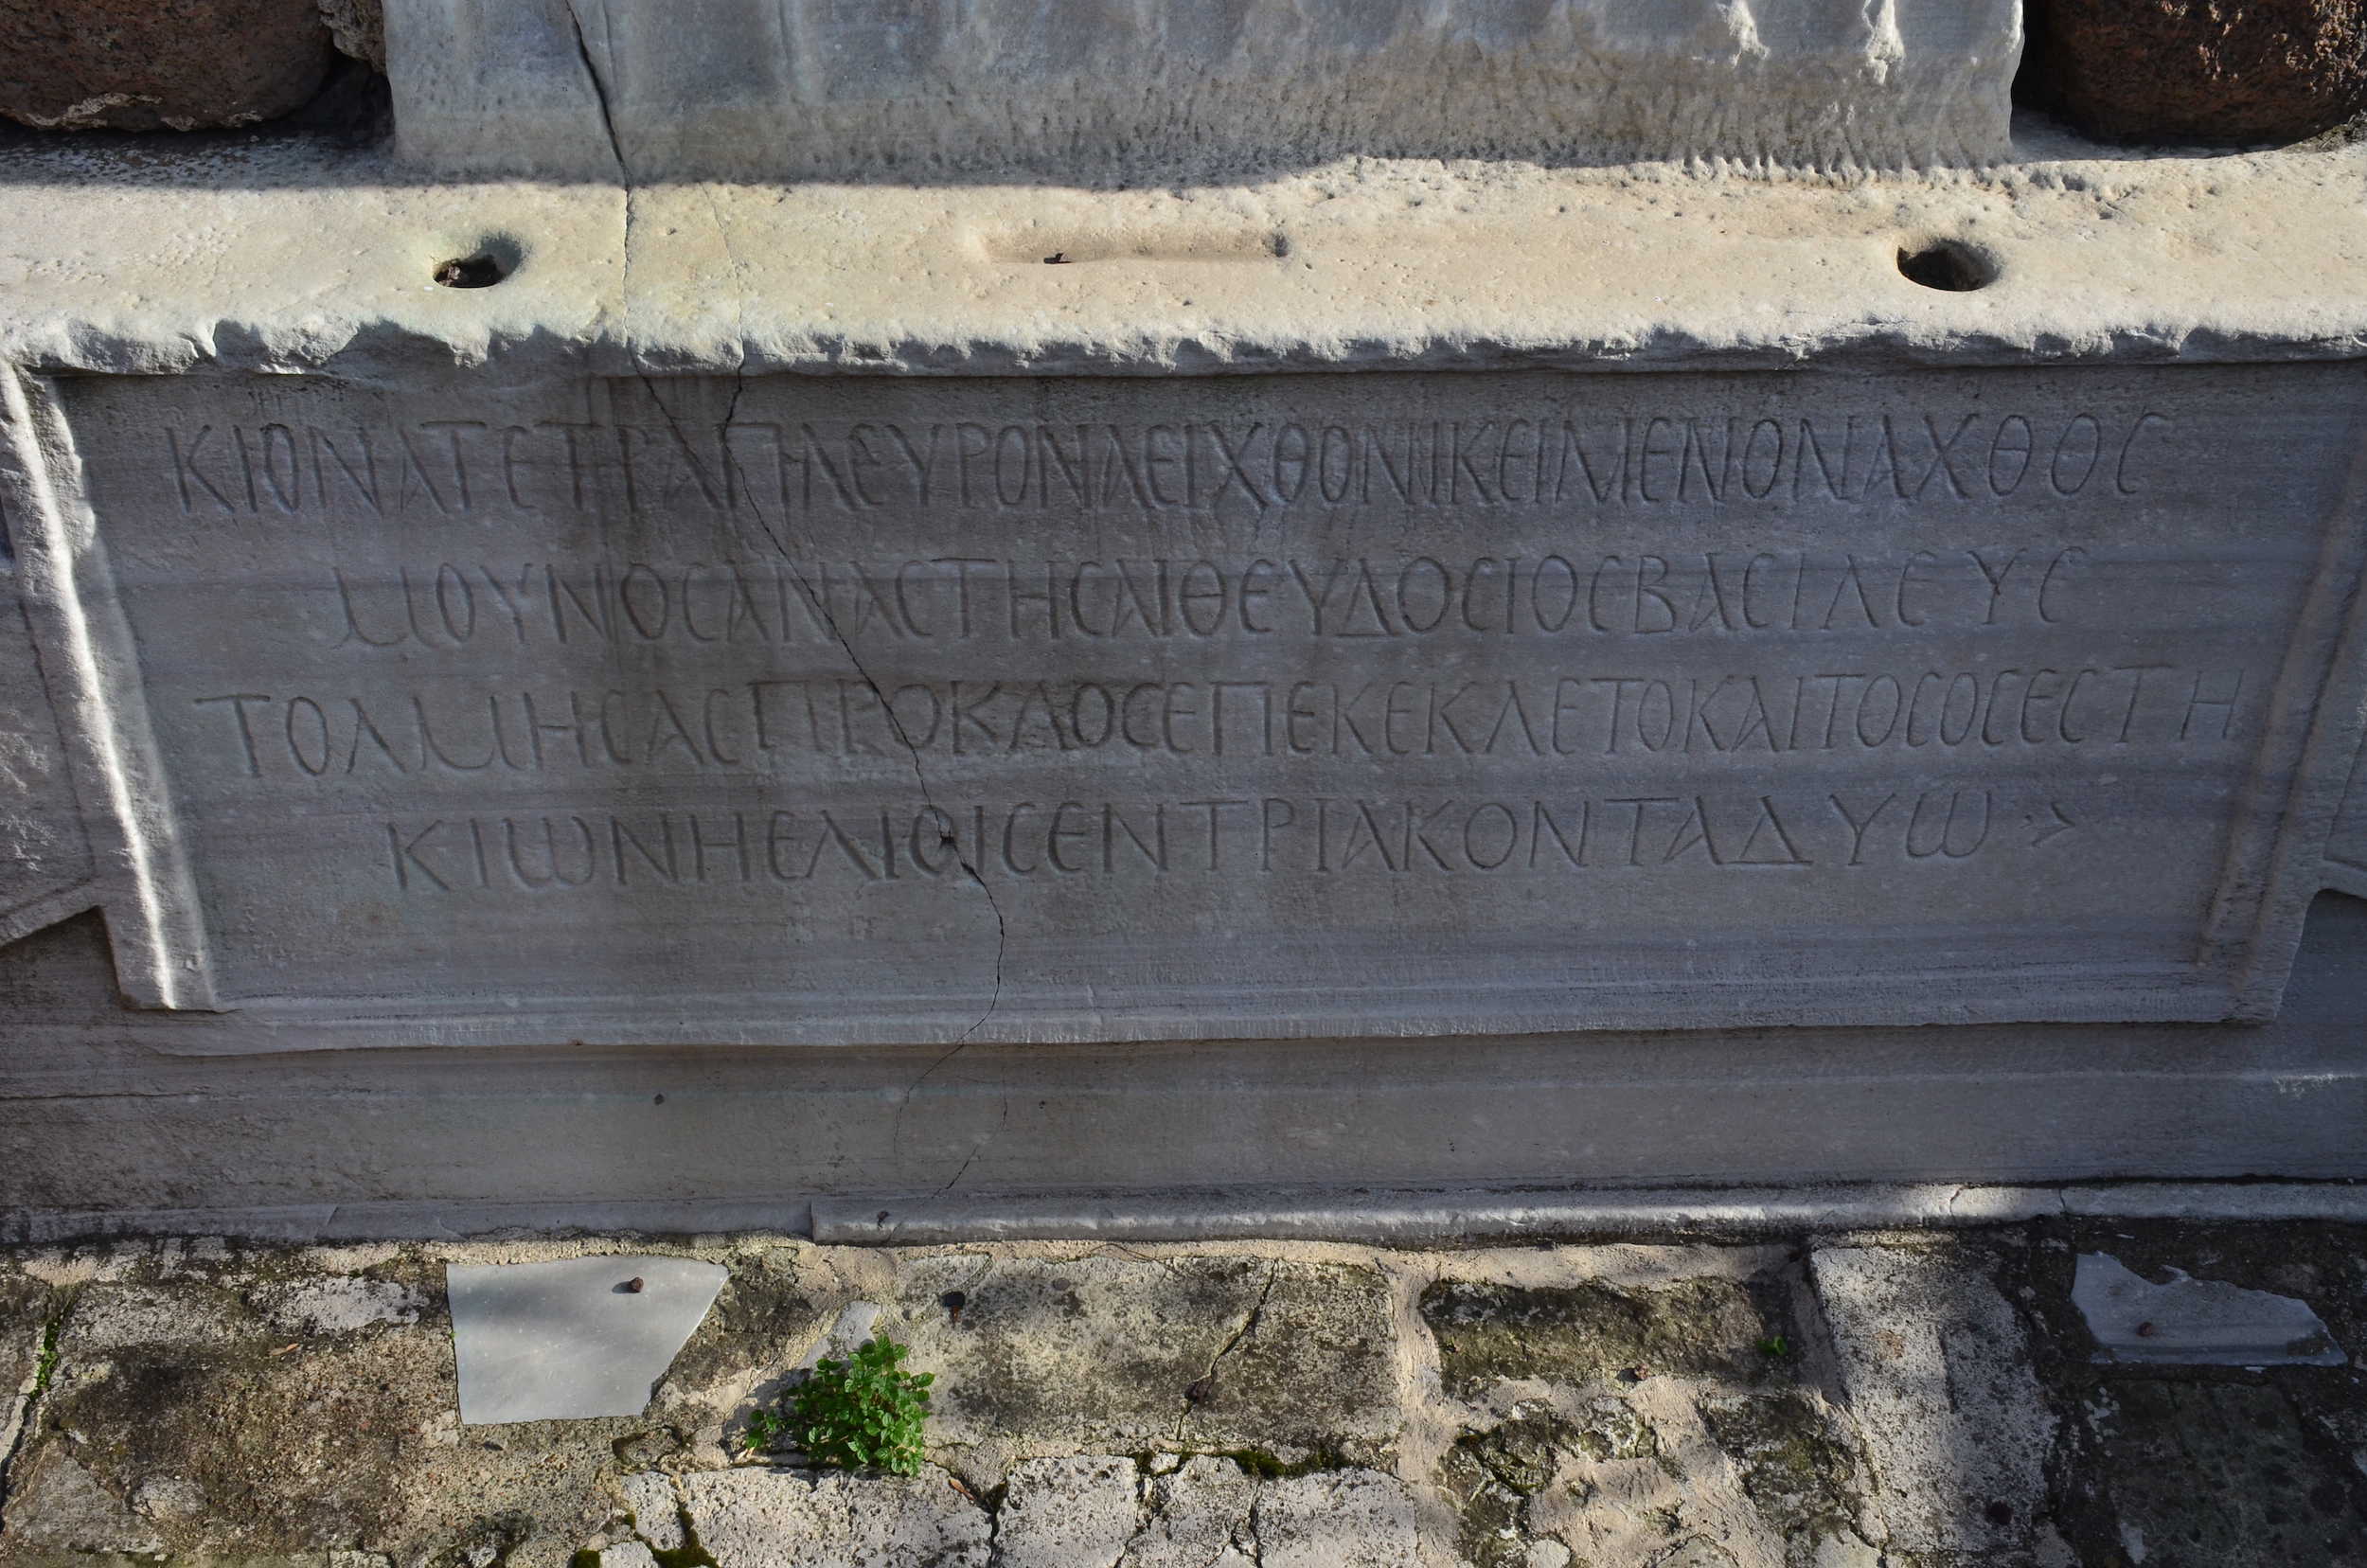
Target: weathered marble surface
{"type": "Point", "coordinates": [780, 711]}
{"type": "Point", "coordinates": [1153, 88]}
{"type": "Point", "coordinates": [2346, 848]}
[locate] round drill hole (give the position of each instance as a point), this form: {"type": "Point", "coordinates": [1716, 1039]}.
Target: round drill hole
{"type": "Point", "coordinates": [1945, 264]}
{"type": "Point", "coordinates": [470, 272]}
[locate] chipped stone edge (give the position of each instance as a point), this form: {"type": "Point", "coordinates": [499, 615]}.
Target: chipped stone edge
{"type": "Point", "coordinates": [1409, 1218]}
{"type": "Point", "coordinates": [1415, 1218]}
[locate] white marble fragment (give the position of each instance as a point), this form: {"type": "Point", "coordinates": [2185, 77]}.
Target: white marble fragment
{"type": "Point", "coordinates": [571, 1339]}
{"type": "Point", "coordinates": [2189, 1322]}
{"type": "Point", "coordinates": [784, 88]}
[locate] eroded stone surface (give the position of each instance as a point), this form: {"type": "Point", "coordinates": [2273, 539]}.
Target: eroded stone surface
{"type": "Point", "coordinates": [1110, 1352]}
{"type": "Point", "coordinates": [1199, 1513]}
{"type": "Point", "coordinates": [1936, 1368]}
{"type": "Point", "coordinates": [2164, 71]}
{"type": "Point", "coordinates": [1152, 87]}
{"type": "Point", "coordinates": [1590, 1333]}
{"type": "Point", "coordinates": [148, 64]}
{"type": "Point", "coordinates": [181, 1416]}
{"type": "Point", "coordinates": [241, 1441]}
{"type": "Point", "coordinates": [2225, 1475]}
{"type": "Point", "coordinates": [358, 27]}
{"type": "Point", "coordinates": [1056, 1512]}
{"type": "Point", "coordinates": [760, 1518]}
{"type": "Point", "coordinates": [655, 1508]}
{"type": "Point", "coordinates": [1334, 1519]}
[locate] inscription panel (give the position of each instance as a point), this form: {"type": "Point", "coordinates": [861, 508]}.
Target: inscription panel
{"type": "Point", "coordinates": [896, 709]}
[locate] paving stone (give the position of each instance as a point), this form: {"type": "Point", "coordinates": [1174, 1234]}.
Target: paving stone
{"type": "Point", "coordinates": [1197, 1517]}
{"type": "Point", "coordinates": [1335, 1519]}
{"type": "Point", "coordinates": [152, 64]}
{"type": "Point", "coordinates": [2190, 1322]}
{"type": "Point", "coordinates": [1795, 1470]}
{"type": "Point", "coordinates": [1065, 1513]}
{"type": "Point", "coordinates": [2223, 1475]}
{"type": "Point", "coordinates": [1589, 1332]}
{"type": "Point", "coordinates": [108, 1317]}
{"type": "Point", "coordinates": [338, 1304]}
{"type": "Point", "coordinates": [1104, 1354]}
{"type": "Point", "coordinates": [1937, 1372]}
{"type": "Point", "coordinates": [657, 1509]}
{"type": "Point", "coordinates": [24, 1308]}
{"type": "Point", "coordinates": [57, 1506]}
{"type": "Point", "coordinates": [572, 1339]}
{"type": "Point", "coordinates": [751, 1518]}
{"type": "Point", "coordinates": [1695, 1552]}
{"type": "Point", "coordinates": [245, 1442]}
{"type": "Point", "coordinates": [2171, 70]}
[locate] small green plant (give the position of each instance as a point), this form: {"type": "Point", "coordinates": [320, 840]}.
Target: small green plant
{"type": "Point", "coordinates": [766, 1429]}
{"type": "Point", "coordinates": [865, 1411]}
{"type": "Point", "coordinates": [46, 1366]}
{"type": "Point", "coordinates": [1775, 1345]}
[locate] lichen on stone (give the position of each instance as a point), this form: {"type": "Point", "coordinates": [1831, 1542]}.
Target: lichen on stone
{"type": "Point", "coordinates": [1794, 1470]}
{"type": "Point", "coordinates": [1590, 1333]}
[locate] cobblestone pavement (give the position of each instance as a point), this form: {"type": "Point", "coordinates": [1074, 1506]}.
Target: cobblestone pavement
{"type": "Point", "coordinates": [1926, 1401]}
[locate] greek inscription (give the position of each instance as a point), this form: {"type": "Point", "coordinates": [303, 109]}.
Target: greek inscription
{"type": "Point", "coordinates": [1540, 459]}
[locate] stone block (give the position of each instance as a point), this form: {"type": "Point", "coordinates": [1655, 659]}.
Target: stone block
{"type": "Point", "coordinates": [2166, 71]}
{"type": "Point", "coordinates": [1152, 88]}
{"type": "Point", "coordinates": [657, 1509]}
{"type": "Point", "coordinates": [679, 1029]}
{"type": "Point", "coordinates": [1197, 1514]}
{"type": "Point", "coordinates": [1589, 1333]}
{"type": "Point", "coordinates": [156, 64]}
{"type": "Point", "coordinates": [759, 1518]}
{"type": "Point", "coordinates": [1119, 1354]}
{"type": "Point", "coordinates": [1335, 1519]}
{"type": "Point", "coordinates": [1060, 1512]}
{"type": "Point", "coordinates": [1936, 1366]}
{"type": "Point", "coordinates": [2224, 1473]}
{"type": "Point", "coordinates": [1277, 707]}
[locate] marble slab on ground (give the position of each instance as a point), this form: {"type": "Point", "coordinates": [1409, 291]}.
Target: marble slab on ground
{"type": "Point", "coordinates": [2181, 1321]}
{"type": "Point", "coordinates": [572, 1339]}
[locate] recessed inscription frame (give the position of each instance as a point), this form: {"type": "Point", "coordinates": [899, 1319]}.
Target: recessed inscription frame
{"type": "Point", "coordinates": [882, 709]}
